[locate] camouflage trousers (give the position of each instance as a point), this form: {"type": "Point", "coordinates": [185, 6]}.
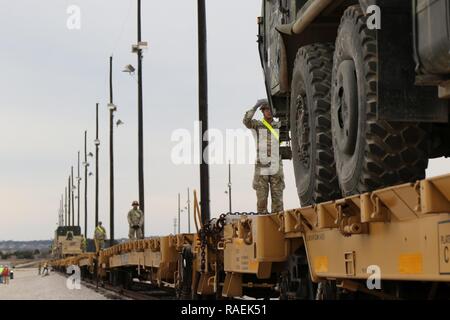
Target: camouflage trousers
{"type": "Point", "coordinates": [135, 233]}
{"type": "Point", "coordinates": [262, 184]}
{"type": "Point", "coordinates": [99, 243]}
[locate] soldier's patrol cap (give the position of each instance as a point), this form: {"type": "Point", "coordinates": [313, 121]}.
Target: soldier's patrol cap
{"type": "Point", "coordinates": [135, 203]}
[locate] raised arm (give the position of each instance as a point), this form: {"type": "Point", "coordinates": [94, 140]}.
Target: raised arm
{"type": "Point", "coordinates": [248, 121]}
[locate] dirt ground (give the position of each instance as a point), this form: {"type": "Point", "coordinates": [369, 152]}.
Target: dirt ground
{"type": "Point", "coordinates": [28, 285]}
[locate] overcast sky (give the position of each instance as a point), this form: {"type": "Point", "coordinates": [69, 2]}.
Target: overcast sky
{"type": "Point", "coordinates": [51, 77]}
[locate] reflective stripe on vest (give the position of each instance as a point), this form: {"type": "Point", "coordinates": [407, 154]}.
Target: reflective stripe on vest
{"type": "Point", "coordinates": [100, 230]}
{"type": "Point", "coordinates": [271, 129]}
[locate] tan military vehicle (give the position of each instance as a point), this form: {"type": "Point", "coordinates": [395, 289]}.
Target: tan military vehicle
{"type": "Point", "coordinates": [361, 88]}
{"type": "Point", "coordinates": [67, 242]}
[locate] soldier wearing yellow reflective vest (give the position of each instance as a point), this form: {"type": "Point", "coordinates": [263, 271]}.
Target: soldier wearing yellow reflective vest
{"type": "Point", "coordinates": [99, 237]}
{"type": "Point", "coordinates": [268, 168]}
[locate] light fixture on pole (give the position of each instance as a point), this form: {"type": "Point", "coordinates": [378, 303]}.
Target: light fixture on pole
{"type": "Point", "coordinates": [129, 69]}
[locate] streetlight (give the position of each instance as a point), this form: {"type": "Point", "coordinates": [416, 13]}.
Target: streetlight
{"type": "Point", "coordinates": [112, 108]}
{"type": "Point", "coordinates": [138, 50]}
{"type": "Point", "coordinates": [97, 144]}
{"type": "Point", "coordinates": [203, 108]}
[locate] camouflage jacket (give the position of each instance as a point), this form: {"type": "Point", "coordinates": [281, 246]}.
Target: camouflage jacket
{"type": "Point", "coordinates": [100, 233]}
{"type": "Point", "coordinates": [261, 132]}
{"type": "Point", "coordinates": [135, 217]}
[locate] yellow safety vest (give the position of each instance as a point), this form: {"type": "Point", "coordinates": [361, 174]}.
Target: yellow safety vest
{"type": "Point", "coordinates": [101, 230]}
{"type": "Point", "coordinates": [271, 129]}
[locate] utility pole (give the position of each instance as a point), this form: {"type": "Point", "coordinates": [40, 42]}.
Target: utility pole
{"type": "Point", "coordinates": [78, 191]}
{"type": "Point", "coordinates": [203, 110]}
{"type": "Point", "coordinates": [73, 201]}
{"type": "Point", "coordinates": [61, 212]}
{"type": "Point", "coordinates": [65, 208]}
{"type": "Point", "coordinates": [189, 211]}
{"type": "Point", "coordinates": [97, 144]}
{"type": "Point", "coordinates": [179, 215]}
{"type": "Point", "coordinates": [229, 185]}
{"type": "Point", "coordinates": [68, 195]}
{"type": "Point", "coordinates": [140, 119]}
{"type": "Point", "coordinates": [85, 185]}
{"type": "Point", "coordinates": [112, 108]}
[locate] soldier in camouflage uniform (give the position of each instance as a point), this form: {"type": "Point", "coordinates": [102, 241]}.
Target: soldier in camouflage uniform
{"type": "Point", "coordinates": [99, 237]}
{"type": "Point", "coordinates": [268, 167]}
{"type": "Point", "coordinates": [136, 221]}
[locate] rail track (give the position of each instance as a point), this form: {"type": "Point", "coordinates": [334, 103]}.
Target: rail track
{"type": "Point", "coordinates": [138, 291]}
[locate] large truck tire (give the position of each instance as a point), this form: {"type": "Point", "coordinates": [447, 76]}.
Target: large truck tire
{"type": "Point", "coordinates": [312, 149]}
{"type": "Point", "coordinates": [369, 153]}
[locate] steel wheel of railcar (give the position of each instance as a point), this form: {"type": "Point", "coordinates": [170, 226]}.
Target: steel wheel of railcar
{"type": "Point", "coordinates": [312, 149]}
{"type": "Point", "coordinates": [295, 282]}
{"type": "Point", "coordinates": [369, 153]}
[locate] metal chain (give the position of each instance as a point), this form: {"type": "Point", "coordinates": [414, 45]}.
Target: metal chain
{"type": "Point", "coordinates": [245, 214]}
{"type": "Point", "coordinates": [203, 242]}
{"type": "Point", "coordinates": [213, 231]}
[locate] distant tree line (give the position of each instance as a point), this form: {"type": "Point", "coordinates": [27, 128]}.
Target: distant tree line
{"type": "Point", "coordinates": [22, 254]}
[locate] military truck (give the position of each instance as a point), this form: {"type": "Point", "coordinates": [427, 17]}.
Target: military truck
{"type": "Point", "coordinates": [361, 88]}
{"type": "Point", "coordinates": [67, 242]}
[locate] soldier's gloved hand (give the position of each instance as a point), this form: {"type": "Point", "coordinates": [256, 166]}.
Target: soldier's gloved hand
{"type": "Point", "coordinates": [259, 103]}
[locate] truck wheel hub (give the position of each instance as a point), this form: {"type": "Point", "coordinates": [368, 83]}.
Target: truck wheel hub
{"type": "Point", "coordinates": [347, 107]}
